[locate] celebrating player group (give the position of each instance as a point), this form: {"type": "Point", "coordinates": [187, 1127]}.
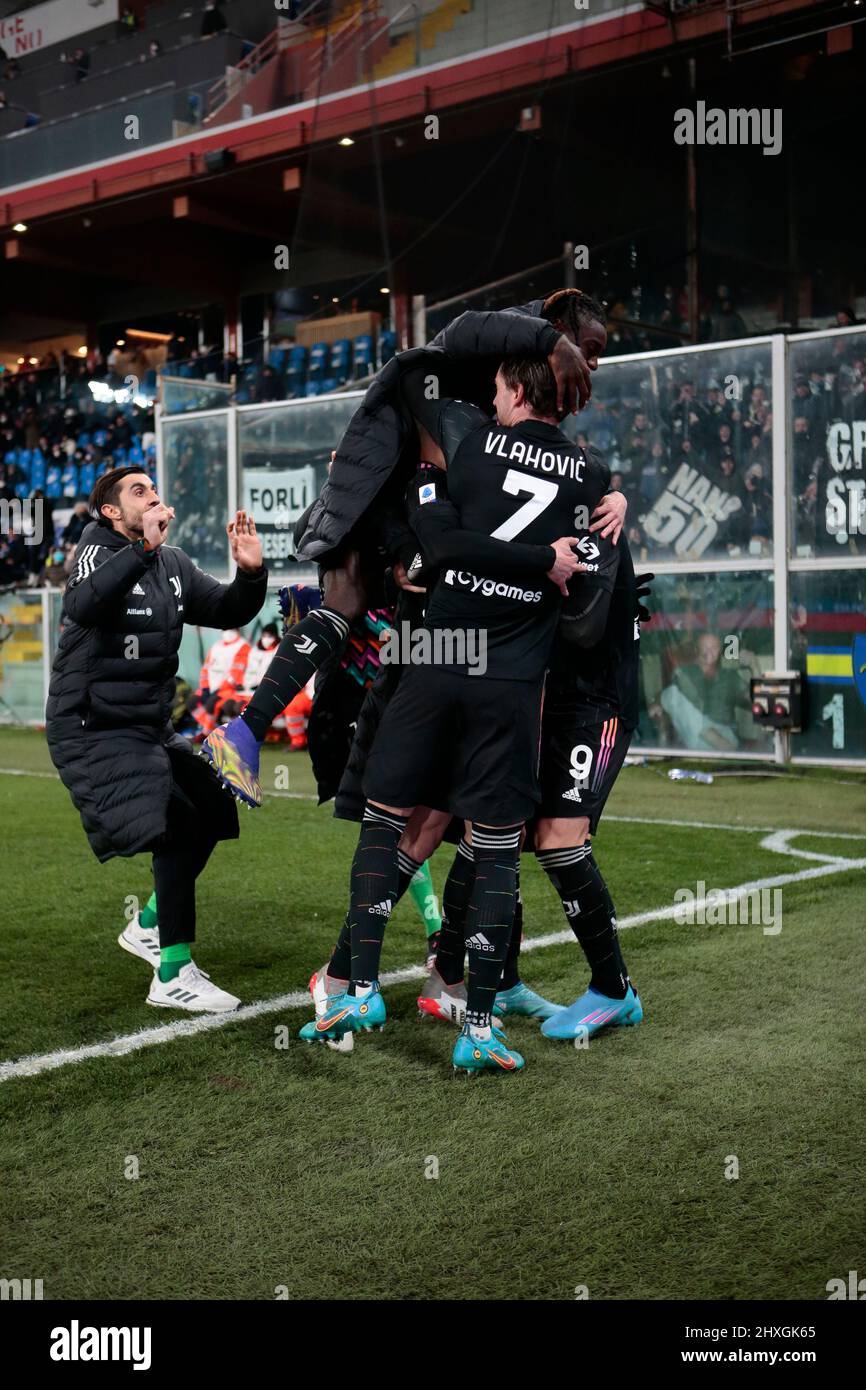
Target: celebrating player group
{"type": "Point", "coordinates": [506, 697]}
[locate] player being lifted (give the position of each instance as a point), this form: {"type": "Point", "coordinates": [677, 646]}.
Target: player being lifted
{"type": "Point", "coordinates": [461, 739]}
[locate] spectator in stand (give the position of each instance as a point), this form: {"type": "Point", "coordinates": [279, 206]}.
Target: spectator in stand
{"type": "Point", "coordinates": [703, 698]}
{"type": "Point", "coordinates": [74, 528]}
{"type": "Point", "coordinates": [757, 510]}
{"type": "Point", "coordinates": [12, 70]}
{"type": "Point", "coordinates": [725, 322]}
{"type": "Point", "coordinates": [213, 21]}
{"type": "Point", "coordinates": [154, 49]}
{"type": "Point", "coordinates": [654, 475]}
{"type": "Point", "coordinates": [845, 317]}
{"type": "Point", "coordinates": [128, 21]}
{"type": "Point", "coordinates": [13, 559]}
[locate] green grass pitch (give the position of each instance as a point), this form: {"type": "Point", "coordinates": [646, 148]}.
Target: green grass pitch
{"type": "Point", "coordinates": [267, 1171]}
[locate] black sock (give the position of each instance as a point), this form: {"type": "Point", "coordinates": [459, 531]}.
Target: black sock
{"type": "Point", "coordinates": [340, 964]}
{"type": "Point", "coordinates": [590, 912]}
{"type": "Point", "coordinates": [302, 651]}
{"type": "Point", "coordinates": [489, 918]}
{"type": "Point", "coordinates": [373, 890]}
{"type": "Point", "coordinates": [451, 951]}
{"type": "Point", "coordinates": [510, 972]}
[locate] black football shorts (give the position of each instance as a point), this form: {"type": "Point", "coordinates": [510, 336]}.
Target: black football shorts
{"type": "Point", "coordinates": [582, 750]}
{"type": "Point", "coordinates": [458, 743]}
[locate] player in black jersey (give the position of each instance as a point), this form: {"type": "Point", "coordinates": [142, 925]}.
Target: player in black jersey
{"type": "Point", "coordinates": [463, 735]}
{"type": "Point", "coordinates": [591, 712]}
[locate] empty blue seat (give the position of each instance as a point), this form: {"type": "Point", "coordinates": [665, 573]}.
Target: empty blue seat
{"type": "Point", "coordinates": [387, 346]}
{"type": "Point", "coordinates": [69, 480]}
{"type": "Point", "coordinates": [364, 355]}
{"type": "Point", "coordinates": [22, 490]}
{"type": "Point", "coordinates": [11, 456]}
{"type": "Point", "coordinates": [86, 477]}
{"type": "Point", "coordinates": [136, 454]}
{"type": "Point", "coordinates": [84, 439]}
{"type": "Point", "coordinates": [53, 482]}
{"type": "Point", "coordinates": [37, 474]}
{"type": "Point", "coordinates": [319, 356]}
{"type": "Point", "coordinates": [341, 354]}
{"type": "Point", "coordinates": [24, 457]}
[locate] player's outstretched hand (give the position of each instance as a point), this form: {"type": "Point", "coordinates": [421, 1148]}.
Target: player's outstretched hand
{"type": "Point", "coordinates": [572, 376]}
{"type": "Point", "coordinates": [245, 543]}
{"type": "Point", "coordinates": [565, 565]}
{"type": "Point", "coordinates": [154, 523]}
{"type": "Point", "coordinates": [610, 515]}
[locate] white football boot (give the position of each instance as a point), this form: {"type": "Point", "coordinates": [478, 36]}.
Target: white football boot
{"type": "Point", "coordinates": [439, 1000]}
{"type": "Point", "coordinates": [139, 942]}
{"type": "Point", "coordinates": [192, 990]}
{"type": "Point", "coordinates": [322, 986]}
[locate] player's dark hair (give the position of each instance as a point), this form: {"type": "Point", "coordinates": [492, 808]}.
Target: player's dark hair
{"type": "Point", "coordinates": [537, 380]}
{"type": "Point", "coordinates": [105, 492]}
{"type": "Point", "coordinates": [573, 308]}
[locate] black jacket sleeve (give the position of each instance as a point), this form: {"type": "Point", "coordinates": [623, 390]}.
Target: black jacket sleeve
{"type": "Point", "coordinates": [585, 612]}
{"type": "Point", "coordinates": [212, 604]}
{"type": "Point", "coordinates": [497, 333]}
{"type": "Point", "coordinates": [449, 421]}
{"type": "Point", "coordinates": [101, 578]}
{"type": "Point", "coordinates": [436, 523]}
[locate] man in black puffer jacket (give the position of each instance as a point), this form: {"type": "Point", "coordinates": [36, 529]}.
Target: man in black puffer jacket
{"type": "Point", "coordinates": [138, 785]}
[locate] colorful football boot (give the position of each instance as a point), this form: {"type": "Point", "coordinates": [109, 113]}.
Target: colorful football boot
{"type": "Point", "coordinates": [234, 753]}
{"type": "Point", "coordinates": [592, 1012]}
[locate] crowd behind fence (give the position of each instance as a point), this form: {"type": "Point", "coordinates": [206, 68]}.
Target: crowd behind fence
{"type": "Point", "coordinates": [744, 465]}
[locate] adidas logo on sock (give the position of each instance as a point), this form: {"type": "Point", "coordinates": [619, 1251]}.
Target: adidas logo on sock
{"type": "Point", "coordinates": [137, 589]}
{"type": "Point", "coordinates": [382, 909]}
{"type": "Point", "coordinates": [573, 795]}
{"type": "Point", "coordinates": [479, 942]}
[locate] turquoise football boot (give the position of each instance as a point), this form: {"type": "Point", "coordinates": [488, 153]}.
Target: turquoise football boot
{"type": "Point", "coordinates": [347, 1013]}
{"type": "Point", "coordinates": [592, 1012]}
{"type": "Point", "coordinates": [474, 1055]}
{"type": "Point", "coordinates": [520, 999]}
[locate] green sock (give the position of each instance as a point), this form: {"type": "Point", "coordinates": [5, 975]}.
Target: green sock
{"type": "Point", "coordinates": [147, 915]}
{"type": "Point", "coordinates": [422, 895]}
{"type": "Point", "coordinates": [172, 959]}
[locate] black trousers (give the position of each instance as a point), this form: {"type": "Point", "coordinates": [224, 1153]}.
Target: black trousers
{"type": "Point", "coordinates": [178, 858]}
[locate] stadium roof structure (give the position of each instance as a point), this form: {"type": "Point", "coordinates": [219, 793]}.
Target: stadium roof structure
{"type": "Point", "coordinates": [197, 219]}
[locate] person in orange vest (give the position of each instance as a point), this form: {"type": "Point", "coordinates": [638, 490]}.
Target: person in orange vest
{"type": "Point", "coordinates": [222, 677]}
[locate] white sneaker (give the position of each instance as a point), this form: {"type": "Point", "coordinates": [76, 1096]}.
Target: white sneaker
{"type": "Point", "coordinates": [139, 942]}
{"type": "Point", "coordinates": [322, 987]}
{"type": "Point", "coordinates": [191, 990]}
{"type": "Point", "coordinates": [439, 1000]}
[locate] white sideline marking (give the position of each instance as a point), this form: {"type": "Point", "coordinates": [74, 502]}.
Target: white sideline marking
{"type": "Point", "coordinates": [185, 1028]}
{"type": "Point", "coordinates": [627, 820]}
